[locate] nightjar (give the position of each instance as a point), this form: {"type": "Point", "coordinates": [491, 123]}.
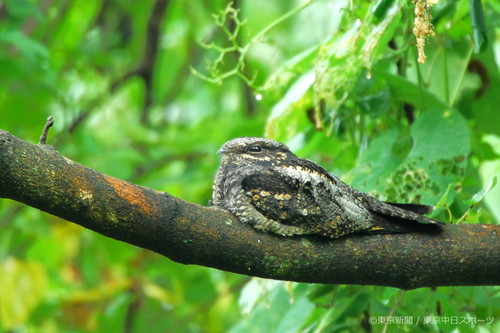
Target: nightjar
{"type": "Point", "coordinates": [264, 184]}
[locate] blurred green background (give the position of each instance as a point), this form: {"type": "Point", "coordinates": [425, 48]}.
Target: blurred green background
{"type": "Point", "coordinates": [147, 91]}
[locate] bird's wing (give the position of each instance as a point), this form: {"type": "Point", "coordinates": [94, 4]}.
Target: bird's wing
{"type": "Point", "coordinates": [281, 197]}
{"type": "Point", "coordinates": [398, 211]}
{"type": "Point", "coordinates": [305, 197]}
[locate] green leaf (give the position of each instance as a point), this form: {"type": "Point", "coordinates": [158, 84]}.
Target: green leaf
{"type": "Point", "coordinates": [23, 285]}
{"type": "Point", "coordinates": [29, 48]}
{"type": "Point", "coordinates": [381, 8]}
{"type": "Point", "coordinates": [348, 299]}
{"type": "Point", "coordinates": [21, 8]}
{"type": "Point", "coordinates": [445, 201]}
{"type": "Point", "coordinates": [439, 154]}
{"type": "Point", "coordinates": [479, 32]}
{"type": "Point", "coordinates": [440, 134]}
{"type": "Point", "coordinates": [436, 158]}
{"type": "Point", "coordinates": [476, 198]}
{"type": "Point", "coordinates": [293, 319]}
{"type": "Point", "coordinates": [406, 91]}
{"type": "Point", "coordinates": [299, 64]}
{"type": "Point", "coordinates": [289, 115]}
{"type": "Point", "coordinates": [253, 292]}
{"type": "Point", "coordinates": [377, 163]}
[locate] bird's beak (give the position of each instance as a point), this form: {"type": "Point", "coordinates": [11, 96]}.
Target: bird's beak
{"type": "Point", "coordinates": [221, 151]}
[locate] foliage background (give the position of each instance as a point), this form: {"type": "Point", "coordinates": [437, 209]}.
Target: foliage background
{"type": "Point", "coordinates": [133, 97]}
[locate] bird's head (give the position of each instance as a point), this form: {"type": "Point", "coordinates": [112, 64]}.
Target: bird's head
{"type": "Point", "coordinates": [253, 149]}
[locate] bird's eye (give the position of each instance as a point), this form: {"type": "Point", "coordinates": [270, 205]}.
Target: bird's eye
{"type": "Point", "coordinates": [255, 149]}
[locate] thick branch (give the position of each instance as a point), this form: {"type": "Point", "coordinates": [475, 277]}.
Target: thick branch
{"type": "Point", "coordinates": [39, 176]}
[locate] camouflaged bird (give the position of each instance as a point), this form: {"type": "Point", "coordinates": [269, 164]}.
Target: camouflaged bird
{"type": "Point", "coordinates": [265, 185]}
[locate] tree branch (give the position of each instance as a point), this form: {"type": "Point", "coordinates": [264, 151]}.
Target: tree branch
{"type": "Point", "coordinates": [147, 64]}
{"type": "Point", "coordinates": [39, 176]}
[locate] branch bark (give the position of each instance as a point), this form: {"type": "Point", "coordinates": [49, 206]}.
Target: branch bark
{"type": "Point", "coordinates": [39, 176]}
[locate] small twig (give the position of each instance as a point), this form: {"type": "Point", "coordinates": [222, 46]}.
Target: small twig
{"type": "Point", "coordinates": [48, 124]}
{"type": "Point", "coordinates": [229, 22]}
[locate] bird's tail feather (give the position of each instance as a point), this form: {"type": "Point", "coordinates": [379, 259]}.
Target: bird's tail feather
{"type": "Point", "coordinates": [416, 208]}
{"type": "Point", "coordinates": [394, 224]}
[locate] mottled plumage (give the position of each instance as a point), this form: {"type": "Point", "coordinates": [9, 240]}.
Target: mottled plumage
{"type": "Point", "coordinates": [264, 184]}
